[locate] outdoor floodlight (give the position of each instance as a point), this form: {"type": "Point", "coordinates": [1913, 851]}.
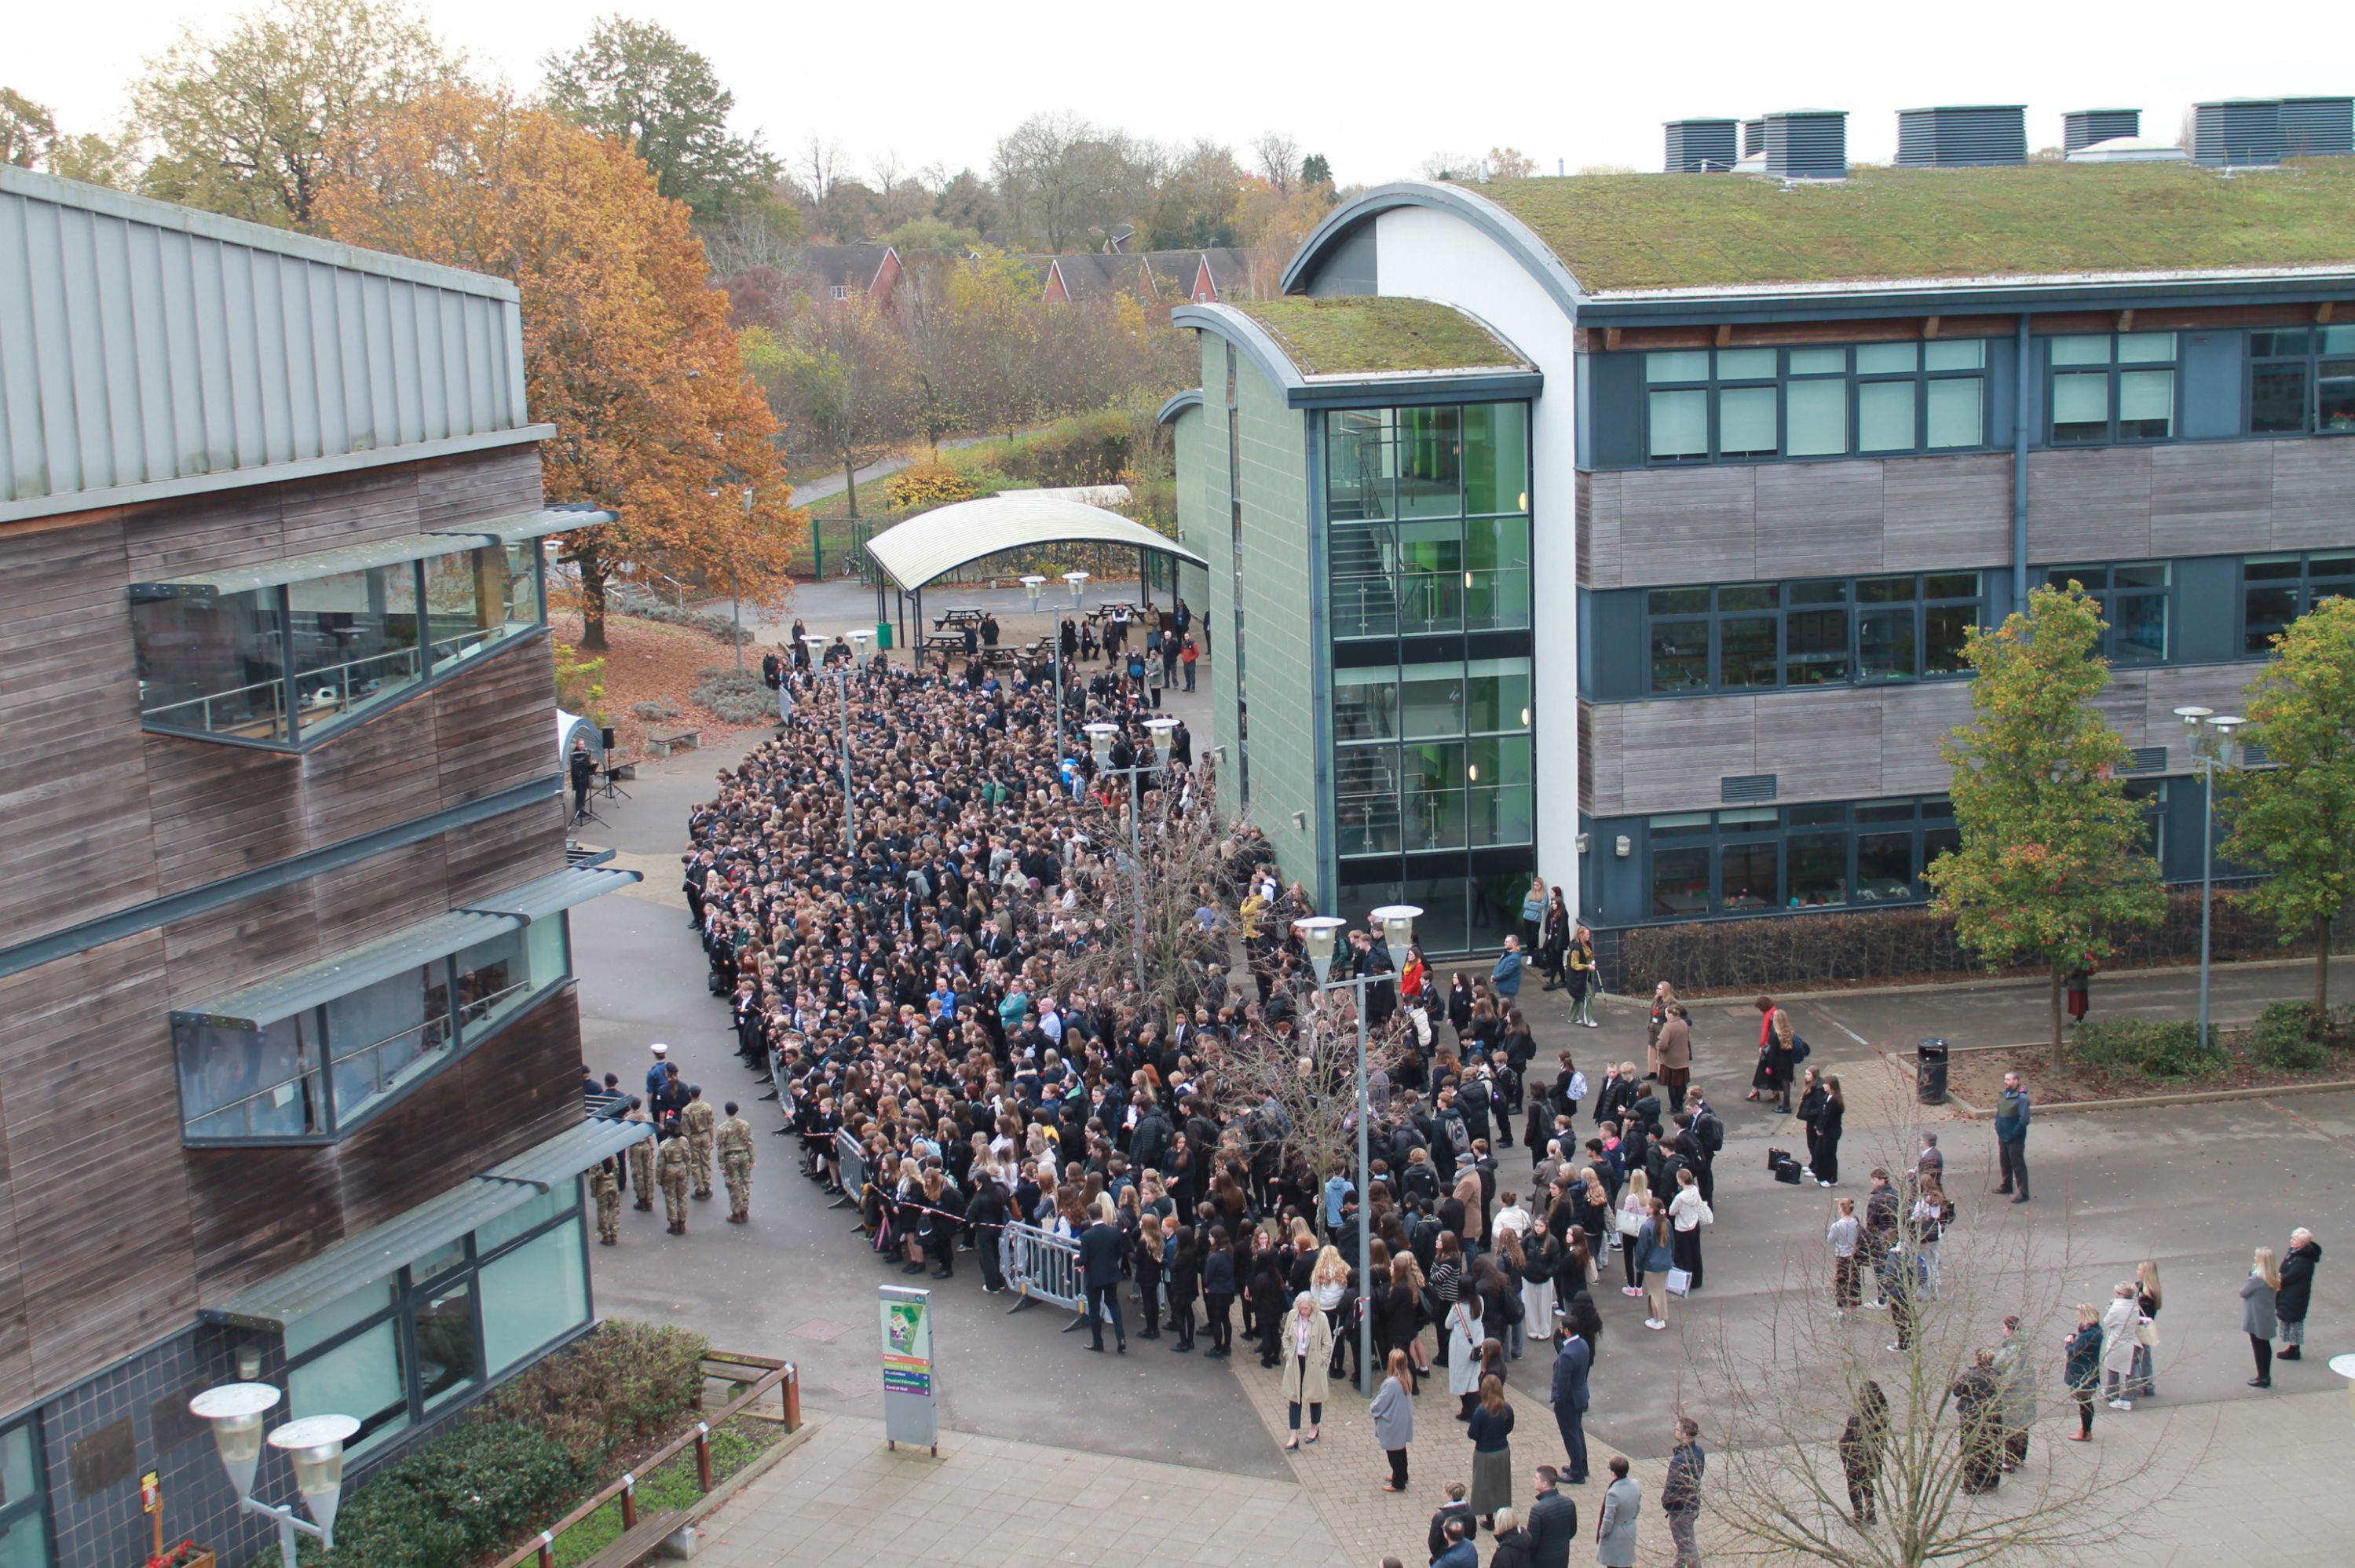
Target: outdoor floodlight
{"type": "Point", "coordinates": [860, 638]}
{"type": "Point", "coordinates": [1161, 729]}
{"type": "Point", "coordinates": [2191, 716]}
{"type": "Point", "coordinates": [235, 1412]}
{"type": "Point", "coordinates": [1078, 579]}
{"type": "Point", "coordinates": [1100, 738]}
{"type": "Point", "coordinates": [315, 1444]}
{"type": "Point", "coordinates": [1031, 582]}
{"type": "Point", "coordinates": [1317, 932]}
{"type": "Point", "coordinates": [1397, 921]}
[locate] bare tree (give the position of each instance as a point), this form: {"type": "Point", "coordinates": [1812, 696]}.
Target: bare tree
{"type": "Point", "coordinates": [1307, 1075]}
{"type": "Point", "coordinates": [1834, 1446]}
{"type": "Point", "coordinates": [1059, 174]}
{"type": "Point", "coordinates": [822, 164]}
{"type": "Point", "coordinates": [1279, 160]}
{"type": "Point", "coordinates": [1155, 945]}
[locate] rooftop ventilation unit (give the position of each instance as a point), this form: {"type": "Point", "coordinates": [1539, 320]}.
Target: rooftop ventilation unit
{"type": "Point", "coordinates": [2083, 127]}
{"type": "Point", "coordinates": [1701, 146]}
{"type": "Point", "coordinates": [2237, 132]}
{"type": "Point", "coordinates": [1753, 138]}
{"type": "Point", "coordinates": [2317, 127]}
{"type": "Point", "coordinates": [1807, 145]}
{"type": "Point", "coordinates": [1962, 137]}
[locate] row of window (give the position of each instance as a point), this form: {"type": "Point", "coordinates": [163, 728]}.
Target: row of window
{"type": "Point", "coordinates": [1445, 461]}
{"type": "Point", "coordinates": [1720, 405]}
{"type": "Point", "coordinates": [313, 1076]}
{"type": "Point", "coordinates": [1427, 576]}
{"type": "Point", "coordinates": [285, 665]}
{"type": "Point", "coordinates": [2277, 589]}
{"type": "Point", "coordinates": [402, 1349]}
{"type": "Point", "coordinates": [1390, 799]}
{"type": "Point", "coordinates": [1469, 902]}
{"type": "Point", "coordinates": [1834, 631]}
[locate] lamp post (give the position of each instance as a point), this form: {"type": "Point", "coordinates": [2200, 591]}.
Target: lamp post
{"type": "Point", "coordinates": [1101, 735]}
{"type": "Point", "coordinates": [2209, 736]}
{"type": "Point", "coordinates": [313, 1443]}
{"type": "Point", "coordinates": [817, 646]}
{"type": "Point", "coordinates": [1318, 933]}
{"type": "Point", "coordinates": [1032, 585]}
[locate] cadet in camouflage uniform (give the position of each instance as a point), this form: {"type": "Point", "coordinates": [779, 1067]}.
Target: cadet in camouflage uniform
{"type": "Point", "coordinates": [642, 1161]}
{"type": "Point", "coordinates": [609, 1202]}
{"type": "Point", "coordinates": [698, 1123]}
{"type": "Point", "coordinates": [673, 1165]}
{"type": "Point", "coordinates": [735, 1142]}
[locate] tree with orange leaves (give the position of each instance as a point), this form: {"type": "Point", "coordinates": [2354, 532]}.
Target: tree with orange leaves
{"type": "Point", "coordinates": [628, 348]}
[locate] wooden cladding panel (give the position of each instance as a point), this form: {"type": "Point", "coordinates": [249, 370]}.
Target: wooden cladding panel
{"type": "Point", "coordinates": [1598, 529]}
{"type": "Point", "coordinates": [454, 491]}
{"type": "Point", "coordinates": [1672, 754]}
{"type": "Point", "coordinates": [1692, 524]}
{"type": "Point", "coordinates": [2122, 705]}
{"type": "Point", "coordinates": [2089, 505]}
{"type": "Point", "coordinates": [348, 509]}
{"type": "Point", "coordinates": [1913, 720]}
{"type": "Point", "coordinates": [220, 810]}
{"type": "Point", "coordinates": [1587, 757]}
{"type": "Point", "coordinates": [491, 728]}
{"type": "Point", "coordinates": [2223, 687]}
{"type": "Point", "coordinates": [379, 895]}
{"type": "Point", "coordinates": [205, 533]}
{"type": "Point", "coordinates": [240, 944]}
{"type": "Point", "coordinates": [96, 1178]}
{"type": "Point", "coordinates": [1945, 512]}
{"type": "Point", "coordinates": [2211, 497]}
{"type": "Point", "coordinates": [1821, 745]}
{"type": "Point", "coordinates": [256, 1212]}
{"type": "Point", "coordinates": [494, 856]}
{"type": "Point", "coordinates": [1818, 519]}
{"type": "Point", "coordinates": [2314, 494]}
{"type": "Point", "coordinates": [378, 772]}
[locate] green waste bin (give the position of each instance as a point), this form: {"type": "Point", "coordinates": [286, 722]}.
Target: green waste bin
{"type": "Point", "coordinates": [883, 636]}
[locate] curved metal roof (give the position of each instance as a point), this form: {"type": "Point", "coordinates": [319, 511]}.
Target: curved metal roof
{"type": "Point", "coordinates": [915, 552]}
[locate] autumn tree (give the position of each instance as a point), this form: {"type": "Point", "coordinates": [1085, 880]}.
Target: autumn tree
{"type": "Point", "coordinates": [2051, 868]}
{"type": "Point", "coordinates": [29, 132]}
{"type": "Point", "coordinates": [627, 349]}
{"type": "Point", "coordinates": [1059, 175]}
{"type": "Point", "coordinates": [1508, 164]}
{"type": "Point", "coordinates": [838, 377]}
{"type": "Point", "coordinates": [249, 123]}
{"type": "Point", "coordinates": [1277, 157]}
{"type": "Point", "coordinates": [2294, 819]}
{"type": "Point", "coordinates": [637, 83]}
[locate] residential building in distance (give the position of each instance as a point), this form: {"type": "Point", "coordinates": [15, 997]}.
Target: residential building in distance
{"type": "Point", "coordinates": [1626, 528]}
{"type": "Point", "coordinates": [291, 1067]}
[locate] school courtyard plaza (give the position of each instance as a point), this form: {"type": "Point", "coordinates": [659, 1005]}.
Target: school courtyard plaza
{"type": "Point", "coordinates": [1049, 1454]}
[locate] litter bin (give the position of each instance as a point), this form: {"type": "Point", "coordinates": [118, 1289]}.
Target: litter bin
{"type": "Point", "coordinates": [883, 636]}
{"type": "Point", "coordinates": [1930, 1072]}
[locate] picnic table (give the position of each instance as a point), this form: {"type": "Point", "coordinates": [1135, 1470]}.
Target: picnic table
{"type": "Point", "coordinates": [963, 616]}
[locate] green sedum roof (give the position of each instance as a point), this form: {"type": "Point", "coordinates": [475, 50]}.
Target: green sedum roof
{"type": "Point", "coordinates": [1668, 231]}
{"type": "Point", "coordinates": [1368, 334]}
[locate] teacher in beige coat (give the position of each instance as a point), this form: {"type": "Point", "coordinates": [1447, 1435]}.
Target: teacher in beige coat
{"type": "Point", "coordinates": [1305, 1341]}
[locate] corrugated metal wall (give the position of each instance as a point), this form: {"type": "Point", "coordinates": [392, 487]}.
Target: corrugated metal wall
{"type": "Point", "coordinates": [142, 343]}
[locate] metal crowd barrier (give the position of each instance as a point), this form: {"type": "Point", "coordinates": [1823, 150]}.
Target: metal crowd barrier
{"type": "Point", "coordinates": [1041, 1266]}
{"type": "Point", "coordinates": [852, 1154]}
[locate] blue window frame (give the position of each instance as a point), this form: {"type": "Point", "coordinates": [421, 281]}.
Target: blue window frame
{"type": "Point", "coordinates": [1732, 405]}
{"type": "Point", "coordinates": [1868, 631]}
{"type": "Point", "coordinates": [2110, 386]}
{"type": "Point", "coordinates": [2135, 600]}
{"type": "Point", "coordinates": [2302, 380]}
{"type": "Point", "coordinates": [2277, 589]}
{"type": "Point", "coordinates": [1751, 861]}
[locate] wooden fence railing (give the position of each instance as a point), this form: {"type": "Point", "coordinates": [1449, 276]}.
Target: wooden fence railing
{"type": "Point", "coordinates": [781, 1376]}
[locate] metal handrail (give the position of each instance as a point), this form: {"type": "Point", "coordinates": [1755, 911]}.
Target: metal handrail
{"type": "Point", "coordinates": [543, 1546]}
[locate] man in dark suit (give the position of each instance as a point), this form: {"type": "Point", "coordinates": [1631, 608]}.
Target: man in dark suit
{"type": "Point", "coordinates": [1570, 1365]}
{"type": "Point", "coordinates": [1100, 1251]}
{"type": "Point", "coordinates": [1552, 1522]}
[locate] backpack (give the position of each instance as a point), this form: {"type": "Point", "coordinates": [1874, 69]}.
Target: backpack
{"type": "Point", "coordinates": [1798, 1049]}
{"type": "Point", "coordinates": [1712, 1132]}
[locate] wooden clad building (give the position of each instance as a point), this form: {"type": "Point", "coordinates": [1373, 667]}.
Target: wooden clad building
{"type": "Point", "coordinates": [288, 1085]}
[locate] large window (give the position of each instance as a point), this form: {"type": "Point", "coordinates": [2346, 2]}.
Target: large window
{"type": "Point", "coordinates": [426, 1334]}
{"type": "Point", "coordinates": [24, 1527]}
{"type": "Point", "coordinates": [1838, 630]}
{"type": "Point", "coordinates": [1749, 860]}
{"type": "Point", "coordinates": [2277, 589]}
{"type": "Point", "coordinates": [2301, 380]}
{"type": "Point", "coordinates": [1432, 756]}
{"type": "Point", "coordinates": [2134, 601]}
{"type": "Point", "coordinates": [285, 665]}
{"type": "Point", "coordinates": [1428, 519]}
{"type": "Point", "coordinates": [314, 1075]}
{"type": "Point", "coordinates": [2112, 387]}
{"type": "Point", "coordinates": [1706, 405]}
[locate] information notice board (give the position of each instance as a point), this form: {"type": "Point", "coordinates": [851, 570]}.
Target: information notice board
{"type": "Point", "coordinates": [910, 1411]}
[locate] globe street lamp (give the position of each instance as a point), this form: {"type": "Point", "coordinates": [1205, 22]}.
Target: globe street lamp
{"type": "Point", "coordinates": [1318, 933]}
{"type": "Point", "coordinates": [313, 1443]}
{"type": "Point", "coordinates": [2208, 735]}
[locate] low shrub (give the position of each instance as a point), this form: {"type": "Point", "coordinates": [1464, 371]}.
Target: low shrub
{"type": "Point", "coordinates": [626, 1381]}
{"type": "Point", "coordinates": [659, 709]}
{"type": "Point", "coordinates": [629, 599]}
{"type": "Point", "coordinates": [924, 485]}
{"type": "Point", "coordinates": [2155, 1048]}
{"type": "Point", "coordinates": [2295, 1037]}
{"type": "Point", "coordinates": [739, 696]}
{"type": "Point", "coordinates": [458, 1498]}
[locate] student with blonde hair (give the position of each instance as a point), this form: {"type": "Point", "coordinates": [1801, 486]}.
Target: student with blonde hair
{"type": "Point", "coordinates": [2257, 1320]}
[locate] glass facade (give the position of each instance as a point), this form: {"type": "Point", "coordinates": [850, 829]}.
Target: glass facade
{"type": "Point", "coordinates": [284, 666]}
{"type": "Point", "coordinates": [2302, 380]}
{"type": "Point", "coordinates": [1428, 519]}
{"type": "Point", "coordinates": [425, 1336]}
{"type": "Point", "coordinates": [1867, 631]}
{"type": "Point", "coordinates": [1427, 529]}
{"type": "Point", "coordinates": [1705, 405]}
{"type": "Point", "coordinates": [1748, 860]}
{"type": "Point", "coordinates": [315, 1076]}
{"type": "Point", "coordinates": [2112, 387]}
{"type": "Point", "coordinates": [24, 1527]}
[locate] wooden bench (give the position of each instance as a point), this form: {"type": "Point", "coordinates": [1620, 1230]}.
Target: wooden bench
{"type": "Point", "coordinates": [640, 1542]}
{"type": "Point", "coordinates": [663, 742]}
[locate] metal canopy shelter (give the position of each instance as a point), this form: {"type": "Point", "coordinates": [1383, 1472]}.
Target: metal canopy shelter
{"type": "Point", "coordinates": [924, 549]}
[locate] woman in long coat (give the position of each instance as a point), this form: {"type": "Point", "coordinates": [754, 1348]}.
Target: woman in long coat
{"type": "Point", "coordinates": [2119, 1343]}
{"type": "Point", "coordinates": [1306, 1340]}
{"type": "Point", "coordinates": [2257, 1319]}
{"type": "Point", "coordinates": [1465, 1331]}
{"type": "Point", "coordinates": [1393, 1413]}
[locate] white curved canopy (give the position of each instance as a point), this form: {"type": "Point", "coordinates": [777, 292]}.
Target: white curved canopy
{"type": "Point", "coordinates": [915, 552]}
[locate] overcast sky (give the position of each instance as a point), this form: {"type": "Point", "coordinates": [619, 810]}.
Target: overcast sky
{"type": "Point", "coordinates": [1377, 87]}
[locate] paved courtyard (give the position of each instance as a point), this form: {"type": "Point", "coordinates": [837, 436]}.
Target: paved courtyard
{"type": "Point", "coordinates": [1153, 1457]}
